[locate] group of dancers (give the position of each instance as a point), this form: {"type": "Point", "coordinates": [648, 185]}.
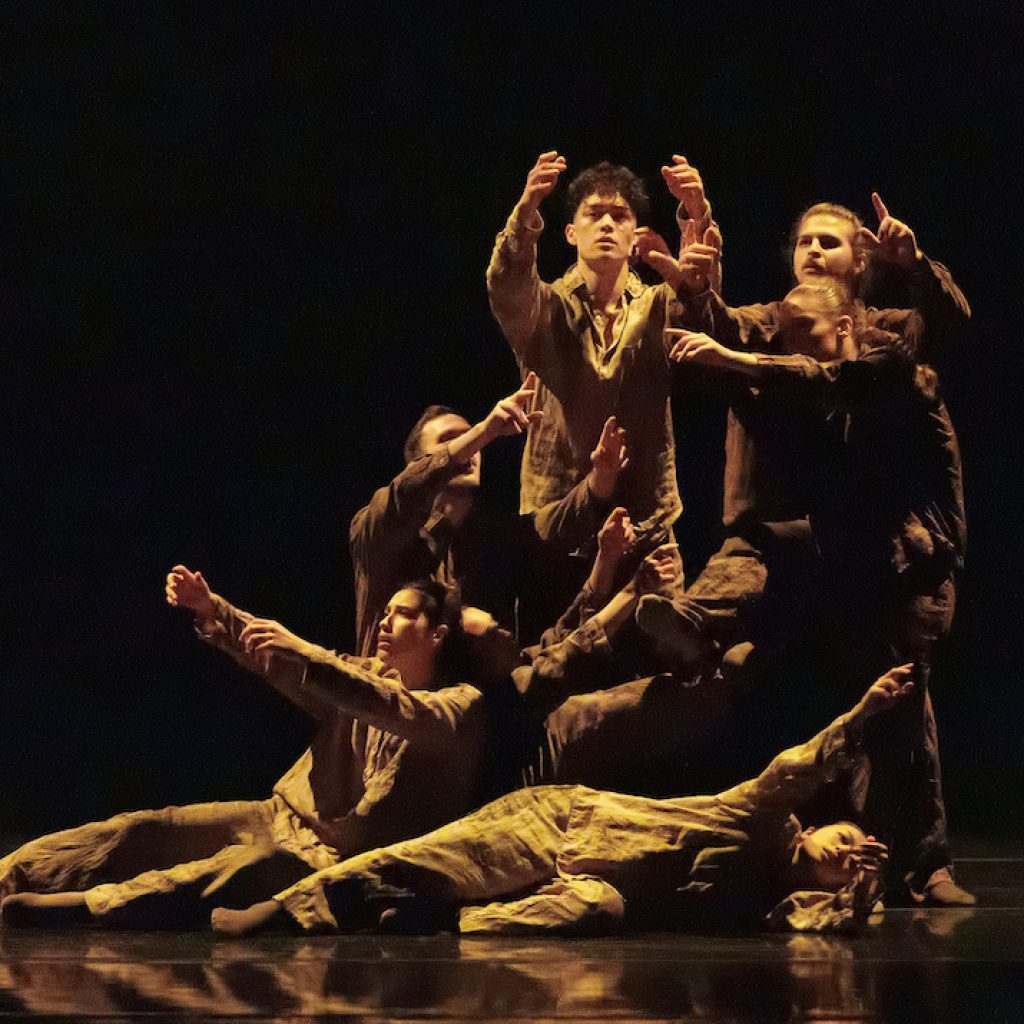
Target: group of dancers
{"type": "Point", "coordinates": [480, 763]}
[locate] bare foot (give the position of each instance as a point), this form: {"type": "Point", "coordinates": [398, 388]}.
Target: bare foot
{"type": "Point", "coordinates": [44, 910]}
{"type": "Point", "coordinates": [258, 917]}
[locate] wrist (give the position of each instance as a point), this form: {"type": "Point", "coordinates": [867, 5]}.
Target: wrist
{"type": "Point", "coordinates": [205, 619]}
{"type": "Point", "coordinates": [602, 482]}
{"type": "Point", "coordinates": [525, 212]}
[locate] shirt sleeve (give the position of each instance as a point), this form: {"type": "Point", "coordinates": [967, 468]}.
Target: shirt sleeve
{"type": "Point", "coordinates": [283, 672]}
{"type": "Point", "coordinates": [354, 687]}
{"type": "Point", "coordinates": [703, 223]}
{"type": "Point", "coordinates": [939, 313]}
{"type": "Point", "coordinates": [520, 300]}
{"type": "Point", "coordinates": [795, 774]}
{"type": "Point", "coordinates": [400, 509]}
{"type": "Point", "coordinates": [573, 520]}
{"type": "Point", "coordinates": [577, 664]}
{"type": "Point", "coordinates": [848, 381]}
{"type": "Point", "coordinates": [736, 327]}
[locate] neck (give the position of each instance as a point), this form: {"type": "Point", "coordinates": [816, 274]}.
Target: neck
{"type": "Point", "coordinates": [605, 283]}
{"type": "Point", "coordinates": [416, 676]}
{"type": "Point", "coordinates": [455, 503]}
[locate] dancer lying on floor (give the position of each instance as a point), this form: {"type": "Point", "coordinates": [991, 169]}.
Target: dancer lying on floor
{"type": "Point", "coordinates": [568, 859]}
{"type": "Point", "coordinates": [395, 753]}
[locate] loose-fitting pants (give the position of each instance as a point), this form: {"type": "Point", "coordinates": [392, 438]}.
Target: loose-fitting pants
{"type": "Point", "coordinates": [167, 868]}
{"type": "Point", "coordinates": [899, 788]}
{"type": "Point", "coordinates": [754, 589]}
{"type": "Point", "coordinates": [510, 847]}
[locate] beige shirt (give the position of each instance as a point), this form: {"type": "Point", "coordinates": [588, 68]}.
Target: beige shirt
{"type": "Point", "coordinates": [553, 331]}
{"type": "Point", "coordinates": [385, 762]}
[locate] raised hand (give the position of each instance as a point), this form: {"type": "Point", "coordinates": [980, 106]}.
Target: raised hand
{"type": "Point", "coordinates": [686, 185]}
{"type": "Point", "coordinates": [514, 414]}
{"type": "Point", "coordinates": [895, 241]}
{"type": "Point", "coordinates": [616, 537]}
{"type": "Point", "coordinates": [608, 459]}
{"type": "Point", "coordinates": [886, 690]}
{"type": "Point", "coordinates": [658, 571]}
{"type": "Point", "coordinates": [187, 589]}
{"type": "Point", "coordinates": [697, 259]}
{"type": "Point", "coordinates": [541, 180]}
{"type": "Point", "coordinates": [869, 855]}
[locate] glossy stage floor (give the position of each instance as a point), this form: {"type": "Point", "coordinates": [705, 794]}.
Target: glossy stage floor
{"type": "Point", "coordinates": [949, 966]}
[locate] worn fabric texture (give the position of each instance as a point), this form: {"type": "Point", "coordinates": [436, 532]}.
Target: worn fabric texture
{"type": "Point", "coordinates": [584, 378]}
{"type": "Point", "coordinates": [399, 536]}
{"type": "Point", "coordinates": [561, 859]}
{"type": "Point", "coordinates": [385, 763]}
{"type": "Point", "coordinates": [880, 479]}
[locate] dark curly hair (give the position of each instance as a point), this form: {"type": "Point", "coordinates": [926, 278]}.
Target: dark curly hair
{"type": "Point", "coordinates": [607, 179]}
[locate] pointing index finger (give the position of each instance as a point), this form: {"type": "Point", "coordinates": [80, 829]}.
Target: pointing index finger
{"type": "Point", "coordinates": [881, 210]}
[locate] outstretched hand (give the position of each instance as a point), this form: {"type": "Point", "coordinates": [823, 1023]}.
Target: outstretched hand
{"type": "Point", "coordinates": [869, 855]}
{"type": "Point", "coordinates": [886, 690]}
{"type": "Point", "coordinates": [187, 589]}
{"type": "Point", "coordinates": [686, 185]}
{"type": "Point", "coordinates": [658, 571]}
{"type": "Point", "coordinates": [609, 458]}
{"type": "Point", "coordinates": [541, 180]}
{"type": "Point", "coordinates": [895, 242]}
{"type": "Point", "coordinates": [697, 347]}
{"type": "Point", "coordinates": [514, 414]}
{"type": "Point", "coordinates": [263, 637]}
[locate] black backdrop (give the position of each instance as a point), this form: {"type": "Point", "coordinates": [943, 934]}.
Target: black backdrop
{"type": "Point", "coordinates": [246, 245]}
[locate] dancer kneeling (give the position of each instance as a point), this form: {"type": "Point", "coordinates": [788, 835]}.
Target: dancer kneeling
{"type": "Point", "coordinates": [569, 859]}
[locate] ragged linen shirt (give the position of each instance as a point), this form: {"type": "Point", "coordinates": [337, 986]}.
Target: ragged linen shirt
{"type": "Point", "coordinates": [693, 861]}
{"type": "Point", "coordinates": [553, 331]}
{"type": "Point", "coordinates": [399, 536]}
{"type": "Point", "coordinates": [385, 762]}
{"type": "Point", "coordinates": [770, 441]}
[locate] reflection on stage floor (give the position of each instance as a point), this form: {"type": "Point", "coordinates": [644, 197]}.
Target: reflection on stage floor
{"type": "Point", "coordinates": [944, 965]}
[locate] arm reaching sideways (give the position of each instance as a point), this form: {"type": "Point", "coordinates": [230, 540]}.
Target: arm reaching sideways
{"type": "Point", "coordinates": [795, 774]}
{"type": "Point", "coordinates": [321, 682]}
{"type": "Point", "coordinates": [697, 347]}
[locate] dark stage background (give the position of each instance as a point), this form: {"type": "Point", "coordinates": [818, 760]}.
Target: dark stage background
{"type": "Point", "coordinates": [246, 246]}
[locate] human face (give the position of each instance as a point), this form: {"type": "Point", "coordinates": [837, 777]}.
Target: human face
{"type": "Point", "coordinates": [828, 850]}
{"type": "Point", "coordinates": [440, 431]}
{"type": "Point", "coordinates": [603, 230]}
{"type": "Point", "coordinates": [807, 329]}
{"type": "Point", "coordinates": [824, 249]}
{"type": "Point", "coordinates": [405, 637]}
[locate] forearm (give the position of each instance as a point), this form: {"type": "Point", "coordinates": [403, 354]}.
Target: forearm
{"type": "Point", "coordinates": [283, 672]}
{"type": "Point", "coordinates": [351, 686]}
{"type": "Point", "coordinates": [514, 289]}
{"type": "Point", "coordinates": [462, 449]}
{"type": "Point", "coordinates": [573, 520]}
{"type": "Point", "coordinates": [942, 305]}
{"type": "Point", "coordinates": [618, 610]}
{"type": "Point", "coordinates": [795, 774]}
